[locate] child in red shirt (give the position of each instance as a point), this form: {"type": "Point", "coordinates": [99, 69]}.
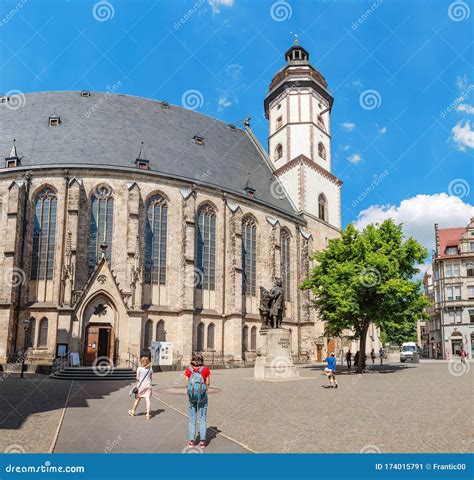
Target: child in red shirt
{"type": "Point", "coordinates": [197, 409]}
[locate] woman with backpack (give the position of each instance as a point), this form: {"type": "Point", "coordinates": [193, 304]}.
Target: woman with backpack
{"type": "Point", "coordinates": [198, 381]}
{"type": "Point", "coordinates": [143, 388]}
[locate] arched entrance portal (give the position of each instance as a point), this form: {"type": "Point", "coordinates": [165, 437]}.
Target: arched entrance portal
{"type": "Point", "coordinates": [99, 330]}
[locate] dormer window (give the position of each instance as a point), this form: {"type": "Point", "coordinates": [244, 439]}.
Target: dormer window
{"type": "Point", "coordinates": [11, 163]}
{"type": "Point", "coordinates": [198, 140]}
{"type": "Point", "coordinates": [452, 251]}
{"type": "Point", "coordinates": [85, 93]}
{"type": "Point", "coordinates": [278, 123]}
{"type": "Point", "coordinates": [54, 121]}
{"type": "Point", "coordinates": [165, 105]}
{"type": "Point", "coordinates": [13, 160]}
{"type": "Point", "coordinates": [4, 100]}
{"type": "Point", "coordinates": [142, 164]}
{"type": "Point", "coordinates": [232, 126]}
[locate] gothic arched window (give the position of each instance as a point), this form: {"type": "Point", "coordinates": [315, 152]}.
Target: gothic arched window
{"type": "Point", "coordinates": [200, 337]}
{"type": "Point", "coordinates": [210, 336]}
{"type": "Point", "coordinates": [206, 248]}
{"type": "Point", "coordinates": [160, 331]}
{"type": "Point", "coordinates": [245, 338]}
{"type": "Point", "coordinates": [285, 263]}
{"type": "Point", "coordinates": [323, 207]}
{"type": "Point", "coordinates": [30, 333]}
{"type": "Point", "coordinates": [278, 152]}
{"type": "Point", "coordinates": [249, 256]}
{"type": "Point", "coordinates": [43, 333]}
{"type": "Point", "coordinates": [253, 339]}
{"type": "Point", "coordinates": [321, 151]}
{"type": "Point", "coordinates": [44, 234]}
{"type": "Point", "coordinates": [148, 334]}
{"type": "Point", "coordinates": [101, 224]}
{"type": "Point", "coordinates": [156, 240]}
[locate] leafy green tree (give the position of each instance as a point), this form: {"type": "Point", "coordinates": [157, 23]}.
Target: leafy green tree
{"type": "Point", "coordinates": [367, 277]}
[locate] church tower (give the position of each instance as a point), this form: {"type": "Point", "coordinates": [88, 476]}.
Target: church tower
{"type": "Point", "coordinates": [298, 107]}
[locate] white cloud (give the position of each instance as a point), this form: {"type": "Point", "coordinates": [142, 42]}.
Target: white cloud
{"type": "Point", "coordinates": [419, 214]}
{"type": "Point", "coordinates": [216, 4]}
{"type": "Point", "coordinates": [348, 126]}
{"type": "Point", "coordinates": [354, 158]}
{"type": "Point", "coordinates": [224, 103]}
{"type": "Point", "coordinates": [464, 107]}
{"type": "Point", "coordinates": [463, 135]}
{"type": "Point", "coordinates": [381, 130]}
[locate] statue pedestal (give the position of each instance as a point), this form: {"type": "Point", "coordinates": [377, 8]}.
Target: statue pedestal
{"type": "Point", "coordinates": [275, 362]}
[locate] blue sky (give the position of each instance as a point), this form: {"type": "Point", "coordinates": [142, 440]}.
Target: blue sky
{"type": "Point", "coordinates": [416, 55]}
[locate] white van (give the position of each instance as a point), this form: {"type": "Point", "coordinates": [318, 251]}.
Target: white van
{"type": "Point", "coordinates": [407, 351]}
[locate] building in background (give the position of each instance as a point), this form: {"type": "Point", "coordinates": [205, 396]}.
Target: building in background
{"type": "Point", "coordinates": [449, 285]}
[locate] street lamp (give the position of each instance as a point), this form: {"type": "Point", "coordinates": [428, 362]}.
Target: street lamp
{"type": "Point", "coordinates": [26, 324]}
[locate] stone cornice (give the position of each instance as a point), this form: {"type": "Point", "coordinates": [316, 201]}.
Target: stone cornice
{"type": "Point", "coordinates": [304, 160]}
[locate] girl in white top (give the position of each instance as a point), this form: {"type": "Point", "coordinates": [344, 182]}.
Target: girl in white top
{"type": "Point", "coordinates": [144, 378]}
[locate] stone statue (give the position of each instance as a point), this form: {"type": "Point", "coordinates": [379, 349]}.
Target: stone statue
{"type": "Point", "coordinates": [272, 305]}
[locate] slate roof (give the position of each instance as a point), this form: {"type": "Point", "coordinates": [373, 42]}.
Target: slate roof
{"type": "Point", "coordinates": [107, 129]}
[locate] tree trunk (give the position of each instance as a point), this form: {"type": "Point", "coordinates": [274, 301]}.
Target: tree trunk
{"type": "Point", "coordinates": [363, 339]}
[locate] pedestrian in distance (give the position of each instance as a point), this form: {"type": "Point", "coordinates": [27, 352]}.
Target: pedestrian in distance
{"type": "Point", "coordinates": [349, 359]}
{"type": "Point", "coordinates": [381, 355]}
{"type": "Point", "coordinates": [463, 355]}
{"type": "Point", "coordinates": [198, 381]}
{"type": "Point", "coordinates": [143, 388]}
{"type": "Point", "coordinates": [330, 370]}
{"type": "Point", "coordinates": [372, 356]}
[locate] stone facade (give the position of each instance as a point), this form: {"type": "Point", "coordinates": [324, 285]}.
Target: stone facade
{"type": "Point", "coordinates": [449, 286]}
{"type": "Point", "coordinates": [114, 301]}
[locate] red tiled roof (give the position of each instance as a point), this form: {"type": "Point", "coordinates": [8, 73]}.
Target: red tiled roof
{"type": "Point", "coordinates": [449, 237]}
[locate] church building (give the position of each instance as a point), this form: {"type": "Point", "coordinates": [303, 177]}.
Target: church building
{"type": "Point", "coordinates": [125, 220]}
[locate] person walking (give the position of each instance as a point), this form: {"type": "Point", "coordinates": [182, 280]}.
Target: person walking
{"type": "Point", "coordinates": [330, 370]}
{"type": "Point", "coordinates": [349, 359]}
{"type": "Point", "coordinates": [372, 356]}
{"type": "Point", "coordinates": [381, 355]}
{"type": "Point", "coordinates": [462, 353]}
{"type": "Point", "coordinates": [143, 388]}
{"type": "Point", "coordinates": [198, 381]}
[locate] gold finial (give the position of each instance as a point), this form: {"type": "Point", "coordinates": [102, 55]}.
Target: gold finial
{"type": "Point", "coordinates": [295, 41]}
